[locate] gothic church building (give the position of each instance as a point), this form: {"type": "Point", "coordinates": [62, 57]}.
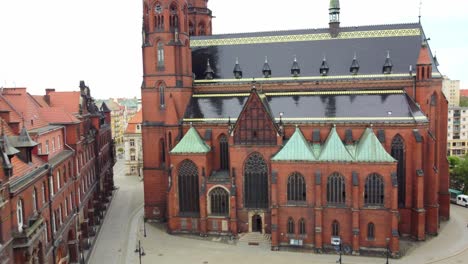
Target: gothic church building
{"type": "Point", "coordinates": [306, 135]}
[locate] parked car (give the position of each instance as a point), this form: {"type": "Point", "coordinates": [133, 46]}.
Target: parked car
{"type": "Point", "coordinates": [453, 195]}
{"type": "Point", "coordinates": [462, 200]}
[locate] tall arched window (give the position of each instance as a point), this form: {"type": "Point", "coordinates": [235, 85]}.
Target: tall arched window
{"type": "Point", "coordinates": [302, 227]}
{"type": "Point", "coordinates": [158, 18]}
{"type": "Point", "coordinates": [296, 188]}
{"type": "Point", "coordinates": [290, 226]}
{"type": "Point", "coordinates": [335, 228]}
{"type": "Point", "coordinates": [336, 189]}
{"type": "Point", "coordinates": [223, 153]}
{"type": "Point", "coordinates": [173, 19]}
{"type": "Point", "coordinates": [20, 214]}
{"type": "Point", "coordinates": [58, 180]}
{"type": "Point", "coordinates": [370, 231]}
{"type": "Point", "coordinates": [255, 182]}
{"type": "Point", "coordinates": [188, 188]}
{"type": "Point", "coordinates": [162, 99]}
{"type": "Point", "coordinates": [162, 152]}
{"type": "Point", "coordinates": [219, 202]}
{"type": "Point", "coordinates": [160, 56]}
{"type": "Point", "coordinates": [398, 153]}
{"type": "Point", "coordinates": [191, 29]}
{"type": "Point", "coordinates": [34, 200]}
{"type": "Point", "coordinates": [201, 29]}
{"type": "Point", "coordinates": [374, 190]}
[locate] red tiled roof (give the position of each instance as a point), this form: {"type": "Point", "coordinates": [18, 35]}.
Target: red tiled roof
{"type": "Point", "coordinates": [70, 101]}
{"type": "Point", "coordinates": [40, 100]}
{"type": "Point", "coordinates": [58, 115]}
{"type": "Point", "coordinates": [21, 168]}
{"type": "Point", "coordinates": [464, 92]}
{"type": "Point", "coordinates": [5, 106]}
{"type": "Point", "coordinates": [136, 119]}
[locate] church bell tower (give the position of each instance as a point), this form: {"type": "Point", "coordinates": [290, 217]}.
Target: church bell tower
{"type": "Point", "coordinates": [165, 92]}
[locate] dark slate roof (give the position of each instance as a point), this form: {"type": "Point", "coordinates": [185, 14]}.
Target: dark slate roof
{"type": "Point", "coordinates": [370, 43]}
{"type": "Point", "coordinates": [388, 106]}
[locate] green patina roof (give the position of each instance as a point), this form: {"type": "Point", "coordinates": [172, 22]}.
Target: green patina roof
{"type": "Point", "coordinates": [369, 149]}
{"type": "Point", "coordinates": [296, 149]}
{"type": "Point", "coordinates": [191, 143]}
{"type": "Point", "coordinates": [334, 4]}
{"type": "Point", "coordinates": [334, 149]}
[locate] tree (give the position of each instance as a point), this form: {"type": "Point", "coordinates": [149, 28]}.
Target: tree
{"type": "Point", "coordinates": [460, 175]}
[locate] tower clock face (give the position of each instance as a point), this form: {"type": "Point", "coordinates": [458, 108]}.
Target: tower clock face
{"type": "Point", "coordinates": [158, 8]}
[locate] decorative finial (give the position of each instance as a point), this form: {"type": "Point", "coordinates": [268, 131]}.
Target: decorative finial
{"type": "Point", "coordinates": [266, 59]}
{"type": "Point", "coordinates": [420, 10]}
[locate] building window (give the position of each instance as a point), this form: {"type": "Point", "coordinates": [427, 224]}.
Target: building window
{"type": "Point", "coordinates": [374, 190]}
{"type": "Point", "coordinates": [39, 148]}
{"type": "Point", "coordinates": [162, 152]}
{"type": "Point", "coordinates": [160, 55]}
{"type": "Point", "coordinates": [60, 215]}
{"type": "Point", "coordinates": [188, 188]}
{"type": "Point", "coordinates": [290, 226]}
{"type": "Point", "coordinates": [19, 214]}
{"type": "Point", "coordinates": [335, 229]}
{"type": "Point", "coordinates": [59, 144]}
{"type": "Point", "coordinates": [398, 153]}
{"type": "Point", "coordinates": [51, 185]}
{"type": "Point", "coordinates": [162, 99]}
{"type": "Point", "coordinates": [173, 19]}
{"type": "Point", "coordinates": [132, 158]}
{"type": "Point", "coordinates": [58, 180]}
{"type": "Point", "coordinates": [223, 153]}
{"type": "Point", "coordinates": [302, 227]}
{"type": "Point", "coordinates": [66, 206]}
{"type": "Point", "coordinates": [255, 182]}
{"type": "Point", "coordinates": [370, 231]}
{"type": "Point", "coordinates": [47, 146]}
{"type": "Point", "coordinates": [34, 199]}
{"type": "Point", "coordinates": [219, 202]}
{"type": "Point", "coordinates": [54, 227]}
{"type": "Point", "coordinates": [132, 142]}
{"type": "Point", "coordinates": [201, 29]}
{"type": "Point", "coordinates": [43, 193]}
{"type": "Point", "coordinates": [53, 144]}
{"type": "Point", "coordinates": [296, 188]}
{"type": "Point", "coordinates": [336, 189]}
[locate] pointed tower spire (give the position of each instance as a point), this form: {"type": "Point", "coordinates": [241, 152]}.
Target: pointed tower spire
{"type": "Point", "coordinates": [209, 73]}
{"type": "Point", "coordinates": [324, 67]}
{"type": "Point", "coordinates": [237, 70]}
{"type": "Point", "coordinates": [354, 69]}
{"type": "Point", "coordinates": [387, 67]}
{"type": "Point", "coordinates": [295, 69]}
{"type": "Point", "coordinates": [266, 68]}
{"type": "Point", "coordinates": [334, 11]}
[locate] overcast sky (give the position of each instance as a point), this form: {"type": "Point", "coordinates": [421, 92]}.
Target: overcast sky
{"type": "Point", "coordinates": [57, 43]}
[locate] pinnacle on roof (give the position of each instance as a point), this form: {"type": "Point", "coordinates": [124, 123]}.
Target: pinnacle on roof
{"type": "Point", "coordinates": [324, 67]}
{"type": "Point", "coordinates": [369, 149]}
{"type": "Point", "coordinates": [295, 69]}
{"type": "Point", "coordinates": [266, 69]}
{"type": "Point", "coordinates": [334, 11]}
{"type": "Point", "coordinates": [296, 149]}
{"type": "Point", "coordinates": [334, 149]}
{"type": "Point", "coordinates": [24, 140]}
{"type": "Point", "coordinates": [209, 73]}
{"type": "Point", "coordinates": [6, 146]}
{"type": "Point", "coordinates": [387, 67]}
{"type": "Point", "coordinates": [191, 143]}
{"type": "Point", "coordinates": [237, 70]}
{"type": "Point", "coordinates": [354, 69]}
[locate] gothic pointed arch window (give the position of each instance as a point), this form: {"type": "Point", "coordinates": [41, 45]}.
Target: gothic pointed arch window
{"type": "Point", "coordinates": [296, 188]}
{"type": "Point", "coordinates": [160, 55]}
{"type": "Point", "coordinates": [162, 96]}
{"type": "Point", "coordinates": [335, 228]}
{"type": "Point", "coordinates": [223, 153]}
{"type": "Point", "coordinates": [20, 214]}
{"type": "Point", "coordinates": [302, 226]}
{"type": "Point", "coordinates": [188, 188]}
{"type": "Point", "coordinates": [291, 226]}
{"type": "Point", "coordinates": [255, 182]}
{"type": "Point", "coordinates": [191, 28]}
{"type": "Point", "coordinates": [370, 231]}
{"type": "Point", "coordinates": [219, 202]}
{"type": "Point", "coordinates": [162, 152]}
{"type": "Point", "coordinates": [174, 18]}
{"type": "Point", "coordinates": [201, 29]}
{"type": "Point", "coordinates": [398, 153]}
{"type": "Point", "coordinates": [374, 190]}
{"type": "Point", "coordinates": [336, 189]}
{"type": "Point", "coordinates": [158, 17]}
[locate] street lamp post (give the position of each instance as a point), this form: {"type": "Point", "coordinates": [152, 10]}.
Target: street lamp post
{"type": "Point", "coordinates": [388, 248]}
{"type": "Point", "coordinates": [144, 226]}
{"type": "Point", "coordinates": [140, 251]}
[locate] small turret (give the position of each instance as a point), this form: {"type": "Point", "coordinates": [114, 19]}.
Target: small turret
{"type": "Point", "coordinates": [237, 70]}
{"type": "Point", "coordinates": [324, 67]}
{"type": "Point", "coordinates": [266, 69]}
{"type": "Point", "coordinates": [209, 73]}
{"type": "Point", "coordinates": [387, 67]}
{"type": "Point", "coordinates": [354, 69]}
{"type": "Point", "coordinates": [334, 11]}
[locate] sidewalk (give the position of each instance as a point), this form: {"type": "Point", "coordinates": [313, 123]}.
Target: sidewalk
{"type": "Point", "coordinates": [450, 246]}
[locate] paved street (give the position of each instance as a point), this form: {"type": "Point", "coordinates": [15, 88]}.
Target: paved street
{"type": "Point", "coordinates": [123, 227]}
{"type": "Point", "coordinates": [113, 238]}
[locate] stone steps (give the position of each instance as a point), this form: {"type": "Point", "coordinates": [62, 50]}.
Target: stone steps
{"type": "Point", "coordinates": [255, 238]}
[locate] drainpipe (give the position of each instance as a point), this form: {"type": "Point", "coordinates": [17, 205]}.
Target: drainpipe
{"type": "Point", "coordinates": [52, 236]}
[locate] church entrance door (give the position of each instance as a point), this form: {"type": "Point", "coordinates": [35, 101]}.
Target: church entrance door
{"type": "Point", "coordinates": [257, 223]}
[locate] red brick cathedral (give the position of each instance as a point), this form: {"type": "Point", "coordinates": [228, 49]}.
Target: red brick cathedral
{"type": "Point", "coordinates": [307, 135]}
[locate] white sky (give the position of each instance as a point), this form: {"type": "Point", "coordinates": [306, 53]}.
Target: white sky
{"type": "Point", "coordinates": [57, 43]}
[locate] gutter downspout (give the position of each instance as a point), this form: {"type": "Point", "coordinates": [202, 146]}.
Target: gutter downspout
{"type": "Point", "coordinates": [51, 212]}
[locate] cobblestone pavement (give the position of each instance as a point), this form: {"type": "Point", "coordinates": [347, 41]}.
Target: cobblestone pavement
{"type": "Point", "coordinates": [112, 241]}
{"type": "Point", "coordinates": [123, 227]}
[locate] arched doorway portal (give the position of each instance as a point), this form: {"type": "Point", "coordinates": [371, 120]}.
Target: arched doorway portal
{"type": "Point", "coordinates": [257, 223]}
